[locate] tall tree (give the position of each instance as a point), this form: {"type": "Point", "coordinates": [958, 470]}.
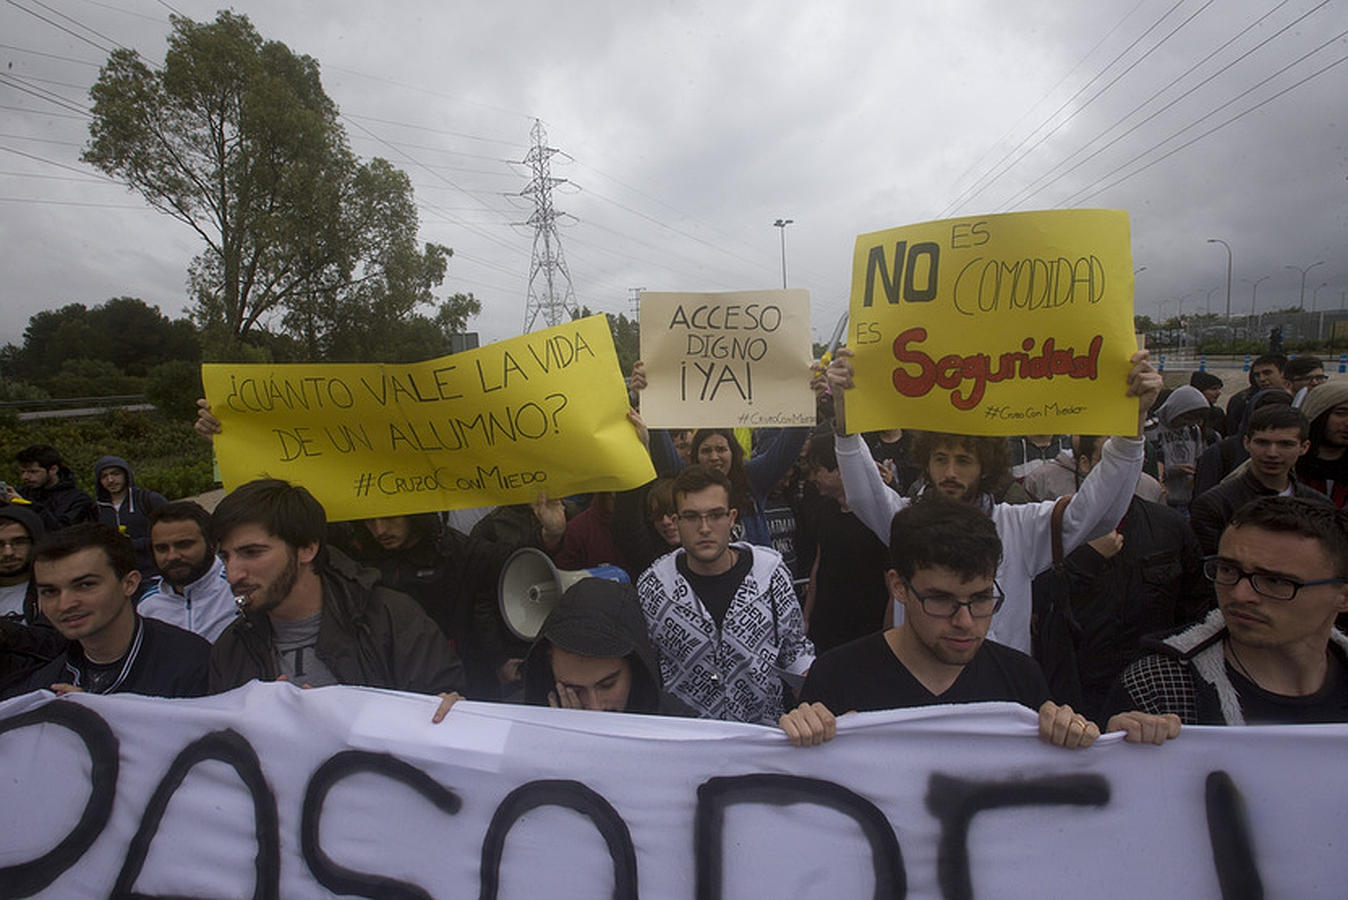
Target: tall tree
{"type": "Point", "coordinates": [235, 137]}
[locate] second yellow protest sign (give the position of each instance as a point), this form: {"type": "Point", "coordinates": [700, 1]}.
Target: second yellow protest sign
{"type": "Point", "coordinates": [738, 359]}
{"type": "Point", "coordinates": [1019, 323]}
{"type": "Point", "coordinates": [546, 411]}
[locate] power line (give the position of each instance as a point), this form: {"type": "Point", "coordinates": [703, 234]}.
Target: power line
{"type": "Point", "coordinates": [1115, 80]}
{"type": "Point", "coordinates": [37, 140]}
{"type": "Point", "coordinates": [978, 186]}
{"type": "Point", "coordinates": [56, 56]}
{"type": "Point", "coordinates": [77, 23]}
{"type": "Point", "coordinates": [59, 27]}
{"type": "Point", "coordinates": [430, 92]}
{"type": "Point", "coordinates": [465, 136]}
{"type": "Point", "coordinates": [129, 12]}
{"type": "Point", "coordinates": [83, 203]}
{"type": "Point", "coordinates": [46, 113]}
{"type": "Point", "coordinates": [50, 162]}
{"type": "Point", "coordinates": [87, 179]}
{"type": "Point", "coordinates": [1031, 190]}
{"type": "Point", "coordinates": [1082, 195]}
{"type": "Point", "coordinates": [482, 234]}
{"type": "Point", "coordinates": [18, 83]}
{"type": "Point", "coordinates": [1061, 81]}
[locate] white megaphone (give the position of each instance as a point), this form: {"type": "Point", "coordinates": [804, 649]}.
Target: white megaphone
{"type": "Point", "coordinates": [531, 585]}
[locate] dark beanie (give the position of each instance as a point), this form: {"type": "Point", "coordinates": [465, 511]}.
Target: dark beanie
{"type": "Point", "coordinates": [1204, 380]}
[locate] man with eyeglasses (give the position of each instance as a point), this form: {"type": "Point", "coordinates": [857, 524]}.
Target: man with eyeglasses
{"type": "Point", "coordinates": [955, 467]}
{"type": "Point", "coordinates": [723, 616]}
{"type": "Point", "coordinates": [1303, 374]}
{"type": "Point", "coordinates": [944, 555]}
{"type": "Point", "coordinates": [1269, 654]}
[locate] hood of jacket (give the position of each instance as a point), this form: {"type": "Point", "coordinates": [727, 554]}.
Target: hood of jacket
{"type": "Point", "coordinates": [1258, 399]}
{"type": "Point", "coordinates": [14, 512]}
{"type": "Point", "coordinates": [1182, 400]}
{"type": "Point", "coordinates": [108, 462]}
{"type": "Point", "coordinates": [601, 618]}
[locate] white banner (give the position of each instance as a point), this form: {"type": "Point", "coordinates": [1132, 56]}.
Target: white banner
{"type": "Point", "coordinates": [270, 791]}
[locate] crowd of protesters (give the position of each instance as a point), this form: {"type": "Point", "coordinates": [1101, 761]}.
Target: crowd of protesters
{"type": "Point", "coordinates": [1189, 573]}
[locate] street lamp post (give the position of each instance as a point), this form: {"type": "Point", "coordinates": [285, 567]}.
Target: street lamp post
{"type": "Point", "coordinates": [782, 223]}
{"type": "Point", "coordinates": [1315, 294]}
{"type": "Point", "coordinates": [1208, 302]}
{"type": "Point", "coordinates": [1301, 304]}
{"type": "Point", "coordinates": [1254, 292]}
{"type": "Point", "coordinates": [1254, 296]}
{"type": "Point", "coordinates": [1228, 282]}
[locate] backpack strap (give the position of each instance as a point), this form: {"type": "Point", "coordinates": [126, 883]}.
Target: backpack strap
{"type": "Point", "coordinates": [1055, 528]}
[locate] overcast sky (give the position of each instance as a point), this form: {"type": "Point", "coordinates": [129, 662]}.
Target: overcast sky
{"type": "Point", "coordinates": [686, 129]}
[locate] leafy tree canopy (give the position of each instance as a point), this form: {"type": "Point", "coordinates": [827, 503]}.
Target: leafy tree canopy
{"type": "Point", "coordinates": [235, 137]}
{"type": "Point", "coordinates": [125, 332]}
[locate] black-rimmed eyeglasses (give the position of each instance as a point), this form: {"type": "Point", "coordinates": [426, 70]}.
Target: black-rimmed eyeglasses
{"type": "Point", "coordinates": [946, 606]}
{"type": "Point", "coordinates": [1276, 587]}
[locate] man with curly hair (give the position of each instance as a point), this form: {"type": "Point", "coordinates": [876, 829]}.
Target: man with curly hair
{"type": "Point", "coordinates": [967, 468]}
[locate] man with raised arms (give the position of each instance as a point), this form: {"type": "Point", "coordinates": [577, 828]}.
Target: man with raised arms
{"type": "Point", "coordinates": [953, 468]}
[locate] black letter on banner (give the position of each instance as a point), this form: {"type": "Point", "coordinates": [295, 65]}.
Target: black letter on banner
{"type": "Point", "coordinates": [955, 801]}
{"type": "Point", "coordinates": [571, 795]}
{"type": "Point", "coordinates": [717, 794]}
{"type": "Point", "coordinates": [1229, 834]}
{"type": "Point", "coordinates": [229, 747]}
{"type": "Point", "coordinates": [26, 879]}
{"type": "Point", "coordinates": [339, 879]}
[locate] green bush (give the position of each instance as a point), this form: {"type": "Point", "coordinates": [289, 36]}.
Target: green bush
{"type": "Point", "coordinates": [92, 378]}
{"type": "Point", "coordinates": [165, 453]}
{"type": "Point", "coordinates": [173, 387]}
{"type": "Point", "coordinates": [14, 390]}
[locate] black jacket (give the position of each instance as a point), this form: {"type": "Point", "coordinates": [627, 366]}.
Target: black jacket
{"type": "Point", "coordinates": [369, 635]}
{"type": "Point", "coordinates": [132, 518]}
{"type": "Point", "coordinates": [1185, 673]}
{"type": "Point", "coordinates": [601, 618]}
{"type": "Point", "coordinates": [162, 661]}
{"type": "Point", "coordinates": [1154, 583]}
{"type": "Point", "coordinates": [1212, 510]}
{"type": "Point", "coordinates": [63, 503]}
{"type": "Point", "coordinates": [27, 642]}
{"type": "Point", "coordinates": [449, 575]}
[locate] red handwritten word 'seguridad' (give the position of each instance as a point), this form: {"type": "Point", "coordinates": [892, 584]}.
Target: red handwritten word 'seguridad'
{"type": "Point", "coordinates": [953, 371]}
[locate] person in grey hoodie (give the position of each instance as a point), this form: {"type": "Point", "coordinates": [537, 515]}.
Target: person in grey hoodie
{"type": "Point", "coordinates": [1180, 439]}
{"type": "Point", "coordinates": [127, 507]}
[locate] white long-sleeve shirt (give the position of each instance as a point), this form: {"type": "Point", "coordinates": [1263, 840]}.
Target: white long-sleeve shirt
{"type": "Point", "coordinates": [1027, 546]}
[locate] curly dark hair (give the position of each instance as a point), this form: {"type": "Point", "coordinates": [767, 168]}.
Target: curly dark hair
{"type": "Point", "coordinates": [993, 455]}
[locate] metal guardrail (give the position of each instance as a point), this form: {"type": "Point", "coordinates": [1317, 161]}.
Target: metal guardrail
{"type": "Point", "coordinates": [74, 402]}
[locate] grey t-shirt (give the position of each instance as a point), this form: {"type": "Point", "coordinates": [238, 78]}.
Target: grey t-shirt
{"type": "Point", "coordinates": [11, 600]}
{"type": "Point", "coordinates": [295, 645]}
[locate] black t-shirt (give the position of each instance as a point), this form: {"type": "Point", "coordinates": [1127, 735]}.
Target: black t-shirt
{"type": "Point", "coordinates": [1329, 704]}
{"type": "Point", "coordinates": [850, 591]}
{"type": "Point", "coordinates": [717, 591]}
{"type": "Point", "coordinates": [866, 675]}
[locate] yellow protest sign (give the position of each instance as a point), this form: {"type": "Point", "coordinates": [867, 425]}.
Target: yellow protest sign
{"type": "Point", "coordinates": [739, 359]}
{"type": "Point", "coordinates": [1001, 324]}
{"type": "Point", "coordinates": [546, 411]}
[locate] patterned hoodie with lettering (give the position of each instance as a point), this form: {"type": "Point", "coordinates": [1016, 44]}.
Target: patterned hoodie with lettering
{"type": "Point", "coordinates": [734, 672]}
